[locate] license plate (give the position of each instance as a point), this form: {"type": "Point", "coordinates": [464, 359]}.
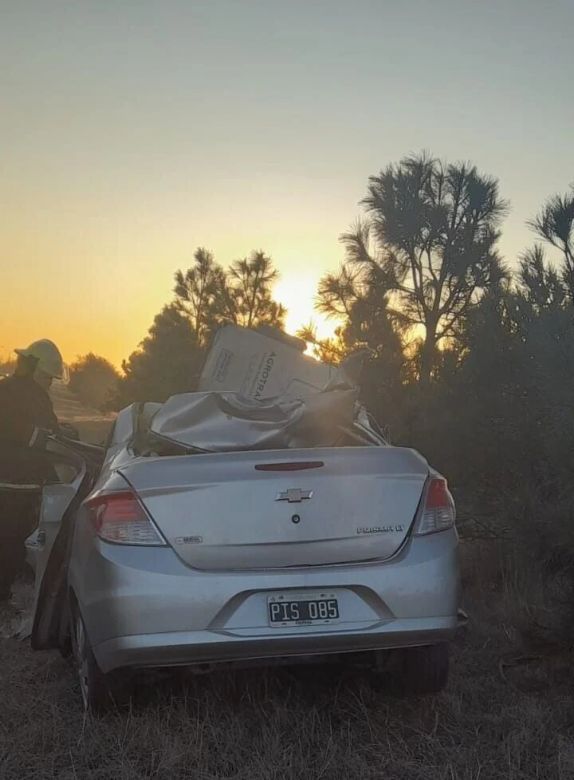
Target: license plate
{"type": "Point", "coordinates": [284, 611]}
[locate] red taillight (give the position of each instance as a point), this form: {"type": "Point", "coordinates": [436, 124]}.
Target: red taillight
{"type": "Point", "coordinates": [437, 494]}
{"type": "Point", "coordinates": [296, 466]}
{"type": "Point", "coordinates": [120, 518]}
{"type": "Point", "coordinates": [438, 513]}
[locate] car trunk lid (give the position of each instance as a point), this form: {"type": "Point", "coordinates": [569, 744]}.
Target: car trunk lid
{"type": "Point", "coordinates": [281, 508]}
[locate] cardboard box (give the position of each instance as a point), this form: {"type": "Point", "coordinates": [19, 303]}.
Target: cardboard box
{"type": "Point", "coordinates": [262, 364]}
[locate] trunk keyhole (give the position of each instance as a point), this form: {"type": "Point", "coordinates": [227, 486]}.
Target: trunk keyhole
{"type": "Point", "coordinates": [296, 519]}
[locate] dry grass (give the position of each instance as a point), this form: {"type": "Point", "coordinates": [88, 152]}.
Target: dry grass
{"type": "Point", "coordinates": [327, 722]}
{"type": "Point", "coordinates": [320, 723]}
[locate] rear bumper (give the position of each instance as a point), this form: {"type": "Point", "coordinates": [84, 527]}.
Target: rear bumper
{"type": "Point", "coordinates": [194, 647]}
{"type": "Point", "coordinates": [145, 608]}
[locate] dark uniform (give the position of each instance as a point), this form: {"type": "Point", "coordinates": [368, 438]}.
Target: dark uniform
{"type": "Point", "coordinates": [24, 408]}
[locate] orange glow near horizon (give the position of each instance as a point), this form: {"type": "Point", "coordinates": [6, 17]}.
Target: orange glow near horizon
{"type": "Point", "coordinates": [104, 306]}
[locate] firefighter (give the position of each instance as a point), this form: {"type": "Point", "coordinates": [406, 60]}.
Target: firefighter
{"type": "Point", "coordinates": [25, 411]}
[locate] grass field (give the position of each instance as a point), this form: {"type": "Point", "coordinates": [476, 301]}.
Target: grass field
{"type": "Point", "coordinates": [319, 722]}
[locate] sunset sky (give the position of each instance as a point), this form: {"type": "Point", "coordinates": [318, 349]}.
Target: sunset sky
{"type": "Point", "coordinates": [133, 131]}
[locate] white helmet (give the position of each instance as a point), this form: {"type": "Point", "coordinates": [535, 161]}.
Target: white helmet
{"type": "Point", "coordinates": [48, 356]}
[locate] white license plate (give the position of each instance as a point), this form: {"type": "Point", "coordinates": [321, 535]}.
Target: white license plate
{"type": "Point", "coordinates": [296, 610]}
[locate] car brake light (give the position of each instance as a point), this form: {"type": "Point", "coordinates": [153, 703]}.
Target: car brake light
{"type": "Point", "coordinates": [120, 518]}
{"type": "Point", "coordinates": [438, 512]}
{"type": "Point", "coordinates": [296, 466]}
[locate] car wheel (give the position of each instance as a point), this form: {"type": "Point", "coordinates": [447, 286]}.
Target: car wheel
{"type": "Point", "coordinates": [99, 691]}
{"type": "Point", "coordinates": [423, 670]}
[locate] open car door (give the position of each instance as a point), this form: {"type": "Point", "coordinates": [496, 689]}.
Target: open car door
{"type": "Point", "coordinates": [77, 465]}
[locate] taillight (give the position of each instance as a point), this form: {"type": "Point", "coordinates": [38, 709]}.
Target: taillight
{"type": "Point", "coordinates": [438, 513]}
{"type": "Point", "coordinates": [121, 519]}
{"type": "Point", "coordinates": [290, 466]}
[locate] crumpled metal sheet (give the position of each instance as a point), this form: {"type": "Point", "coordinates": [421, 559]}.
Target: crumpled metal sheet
{"type": "Point", "coordinates": [227, 421]}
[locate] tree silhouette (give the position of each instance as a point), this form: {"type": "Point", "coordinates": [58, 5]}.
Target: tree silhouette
{"type": "Point", "coordinates": [94, 379]}
{"type": "Point", "coordinates": [327, 350]}
{"type": "Point", "coordinates": [211, 296]}
{"type": "Point", "coordinates": [555, 225]}
{"type": "Point", "coordinates": [201, 293]}
{"type": "Point", "coordinates": [249, 296]}
{"type": "Point", "coordinates": [168, 361]}
{"type": "Point", "coordinates": [539, 285]}
{"type": "Point", "coordinates": [426, 248]}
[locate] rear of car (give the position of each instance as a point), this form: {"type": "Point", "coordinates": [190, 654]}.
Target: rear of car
{"type": "Point", "coordinates": [265, 555]}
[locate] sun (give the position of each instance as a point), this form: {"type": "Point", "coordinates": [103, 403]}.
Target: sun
{"type": "Point", "coordinates": [297, 292]}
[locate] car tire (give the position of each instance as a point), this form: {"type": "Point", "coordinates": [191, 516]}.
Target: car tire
{"type": "Point", "coordinates": [99, 691]}
{"type": "Point", "coordinates": [423, 670]}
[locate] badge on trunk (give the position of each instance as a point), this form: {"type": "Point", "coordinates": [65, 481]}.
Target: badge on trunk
{"type": "Point", "coordinates": [294, 495]}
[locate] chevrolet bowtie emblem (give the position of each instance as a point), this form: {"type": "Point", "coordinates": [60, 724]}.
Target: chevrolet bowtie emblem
{"type": "Point", "coordinates": [294, 495]}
